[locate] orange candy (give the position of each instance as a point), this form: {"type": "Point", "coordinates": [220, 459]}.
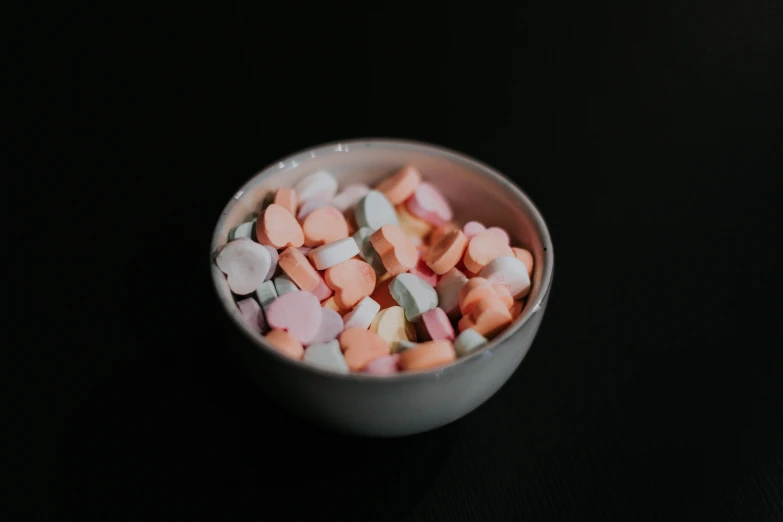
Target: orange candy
{"type": "Point", "coordinates": [285, 343]}
{"type": "Point", "coordinates": [427, 355]}
{"type": "Point", "coordinates": [441, 230]}
{"type": "Point", "coordinates": [516, 309]}
{"type": "Point", "coordinates": [487, 317]}
{"type": "Point", "coordinates": [526, 257]}
{"type": "Point", "coordinates": [351, 280]}
{"type": "Point", "coordinates": [397, 251]}
{"type": "Point", "coordinates": [482, 249]}
{"type": "Point", "coordinates": [401, 185]}
{"type": "Point", "coordinates": [475, 290]}
{"type": "Point", "coordinates": [446, 253]}
{"type": "Point", "coordinates": [381, 294]}
{"type": "Point", "coordinates": [502, 293]}
{"type": "Point", "coordinates": [360, 346]}
{"type": "Point", "coordinates": [286, 198]}
{"type": "Point", "coordinates": [324, 225]}
{"type": "Point", "coordinates": [278, 228]}
{"type": "Point", "coordinates": [296, 266]}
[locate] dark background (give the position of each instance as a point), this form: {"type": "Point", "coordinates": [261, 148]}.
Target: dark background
{"type": "Point", "coordinates": [648, 135]}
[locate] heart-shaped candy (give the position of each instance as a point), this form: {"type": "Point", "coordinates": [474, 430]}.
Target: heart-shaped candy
{"type": "Point", "coordinates": [298, 313]}
{"type": "Point", "coordinates": [361, 346]}
{"type": "Point", "coordinates": [279, 228]}
{"type": "Point", "coordinates": [413, 294]}
{"type": "Point", "coordinates": [351, 281]}
{"type": "Point", "coordinates": [330, 327]}
{"type": "Point", "coordinates": [397, 251]}
{"type": "Point", "coordinates": [245, 263]}
{"type": "Point", "coordinates": [487, 317]}
{"type": "Point", "coordinates": [429, 204]}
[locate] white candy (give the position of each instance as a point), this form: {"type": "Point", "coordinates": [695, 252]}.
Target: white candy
{"type": "Point", "coordinates": [413, 294]}
{"type": "Point", "coordinates": [362, 314]}
{"type": "Point", "coordinates": [374, 210]}
{"type": "Point", "coordinates": [334, 253]}
{"type": "Point", "coordinates": [284, 285]}
{"type": "Point", "coordinates": [245, 264]}
{"type": "Point", "coordinates": [243, 230]}
{"type": "Point", "coordinates": [327, 356]}
{"type": "Point", "coordinates": [320, 185]}
{"type": "Point", "coordinates": [266, 293]}
{"type": "Point", "coordinates": [509, 272]}
{"type": "Point", "coordinates": [349, 197]}
{"type": "Point", "coordinates": [467, 341]}
{"type": "Point", "coordinates": [448, 289]}
{"type": "Point", "coordinates": [308, 206]}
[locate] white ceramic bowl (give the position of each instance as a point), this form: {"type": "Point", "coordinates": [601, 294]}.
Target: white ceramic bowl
{"type": "Point", "coordinates": [409, 402]}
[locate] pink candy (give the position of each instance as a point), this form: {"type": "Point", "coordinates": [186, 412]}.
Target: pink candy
{"type": "Point", "coordinates": [474, 228]}
{"type": "Point", "coordinates": [330, 327]}
{"type": "Point", "coordinates": [298, 313]}
{"type": "Point", "coordinates": [251, 312]}
{"type": "Point", "coordinates": [385, 365]}
{"type": "Point", "coordinates": [322, 291]}
{"type": "Point", "coordinates": [425, 273]}
{"type": "Point", "coordinates": [437, 324]}
{"type": "Point", "coordinates": [430, 205]}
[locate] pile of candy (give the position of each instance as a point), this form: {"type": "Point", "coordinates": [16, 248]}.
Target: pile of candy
{"type": "Point", "coordinates": [350, 281]}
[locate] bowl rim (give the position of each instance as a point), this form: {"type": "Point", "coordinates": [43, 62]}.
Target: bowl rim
{"type": "Point", "coordinates": [345, 146]}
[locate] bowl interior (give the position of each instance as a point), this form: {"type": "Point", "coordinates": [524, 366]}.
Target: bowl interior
{"type": "Point", "coordinates": [475, 191]}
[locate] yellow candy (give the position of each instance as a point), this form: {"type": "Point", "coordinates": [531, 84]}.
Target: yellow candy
{"type": "Point", "coordinates": [412, 225]}
{"type": "Point", "coordinates": [391, 326]}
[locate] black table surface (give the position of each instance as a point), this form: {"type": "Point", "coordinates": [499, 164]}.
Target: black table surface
{"type": "Point", "coordinates": [648, 135]}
